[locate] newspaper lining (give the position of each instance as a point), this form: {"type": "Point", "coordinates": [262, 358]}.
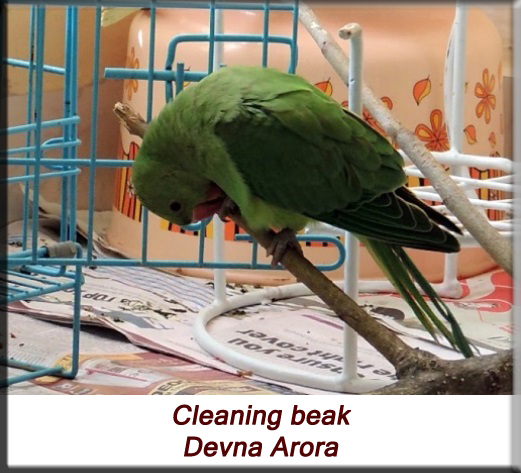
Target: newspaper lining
{"type": "Point", "coordinates": [156, 310]}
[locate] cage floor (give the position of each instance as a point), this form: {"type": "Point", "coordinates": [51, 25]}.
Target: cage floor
{"type": "Point", "coordinates": [144, 345]}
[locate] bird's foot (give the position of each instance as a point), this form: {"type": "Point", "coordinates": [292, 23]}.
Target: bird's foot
{"type": "Point", "coordinates": [228, 208]}
{"type": "Point", "coordinates": [281, 241]}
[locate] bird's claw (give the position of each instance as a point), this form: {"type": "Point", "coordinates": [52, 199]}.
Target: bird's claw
{"type": "Point", "coordinates": [228, 207]}
{"type": "Point", "coordinates": [281, 241]}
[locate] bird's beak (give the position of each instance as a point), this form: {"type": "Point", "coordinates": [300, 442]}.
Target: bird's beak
{"type": "Point", "coordinates": [211, 204]}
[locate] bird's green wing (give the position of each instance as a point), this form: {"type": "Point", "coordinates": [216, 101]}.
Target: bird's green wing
{"type": "Point", "coordinates": [298, 149]}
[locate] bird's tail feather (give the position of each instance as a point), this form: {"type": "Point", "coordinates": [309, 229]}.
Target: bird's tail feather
{"type": "Point", "coordinates": [434, 215]}
{"type": "Point", "coordinates": [403, 274]}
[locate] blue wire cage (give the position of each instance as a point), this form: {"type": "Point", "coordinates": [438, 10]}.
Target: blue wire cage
{"type": "Point", "coordinates": [35, 269]}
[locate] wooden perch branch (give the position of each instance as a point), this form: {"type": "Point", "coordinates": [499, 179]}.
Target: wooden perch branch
{"type": "Point", "coordinates": [133, 121]}
{"type": "Point", "coordinates": [419, 372]}
{"type": "Point", "coordinates": [499, 248]}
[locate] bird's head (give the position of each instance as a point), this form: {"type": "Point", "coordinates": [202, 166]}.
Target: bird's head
{"type": "Point", "coordinates": [174, 194]}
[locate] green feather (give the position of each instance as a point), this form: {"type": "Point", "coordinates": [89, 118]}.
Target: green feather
{"type": "Point", "coordinates": [460, 340]}
{"type": "Point", "coordinates": [402, 273]}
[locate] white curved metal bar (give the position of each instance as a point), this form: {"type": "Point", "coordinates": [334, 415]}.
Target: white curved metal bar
{"type": "Point", "coordinates": [502, 183]}
{"type": "Point", "coordinates": [274, 371]}
{"type": "Point", "coordinates": [498, 163]}
{"type": "Point", "coordinates": [353, 32]}
{"type": "Point", "coordinates": [219, 275]}
{"type": "Point", "coordinates": [503, 204]}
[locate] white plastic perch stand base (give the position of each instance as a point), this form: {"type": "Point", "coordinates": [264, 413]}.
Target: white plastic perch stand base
{"type": "Point", "coordinates": [346, 382]}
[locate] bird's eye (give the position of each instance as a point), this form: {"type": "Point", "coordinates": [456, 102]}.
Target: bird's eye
{"type": "Point", "coordinates": [175, 206]}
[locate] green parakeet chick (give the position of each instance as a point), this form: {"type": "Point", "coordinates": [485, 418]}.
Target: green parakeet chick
{"type": "Point", "coordinates": [286, 154]}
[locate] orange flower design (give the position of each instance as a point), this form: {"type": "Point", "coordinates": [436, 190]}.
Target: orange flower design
{"type": "Point", "coordinates": [369, 118]}
{"type": "Point", "coordinates": [435, 138]}
{"type": "Point", "coordinates": [125, 199]}
{"type": "Point", "coordinates": [131, 85]}
{"type": "Point", "coordinates": [492, 139]}
{"type": "Point", "coordinates": [488, 99]}
{"type": "Point", "coordinates": [421, 89]}
{"type": "Point", "coordinates": [325, 86]}
{"type": "Point", "coordinates": [470, 133]}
